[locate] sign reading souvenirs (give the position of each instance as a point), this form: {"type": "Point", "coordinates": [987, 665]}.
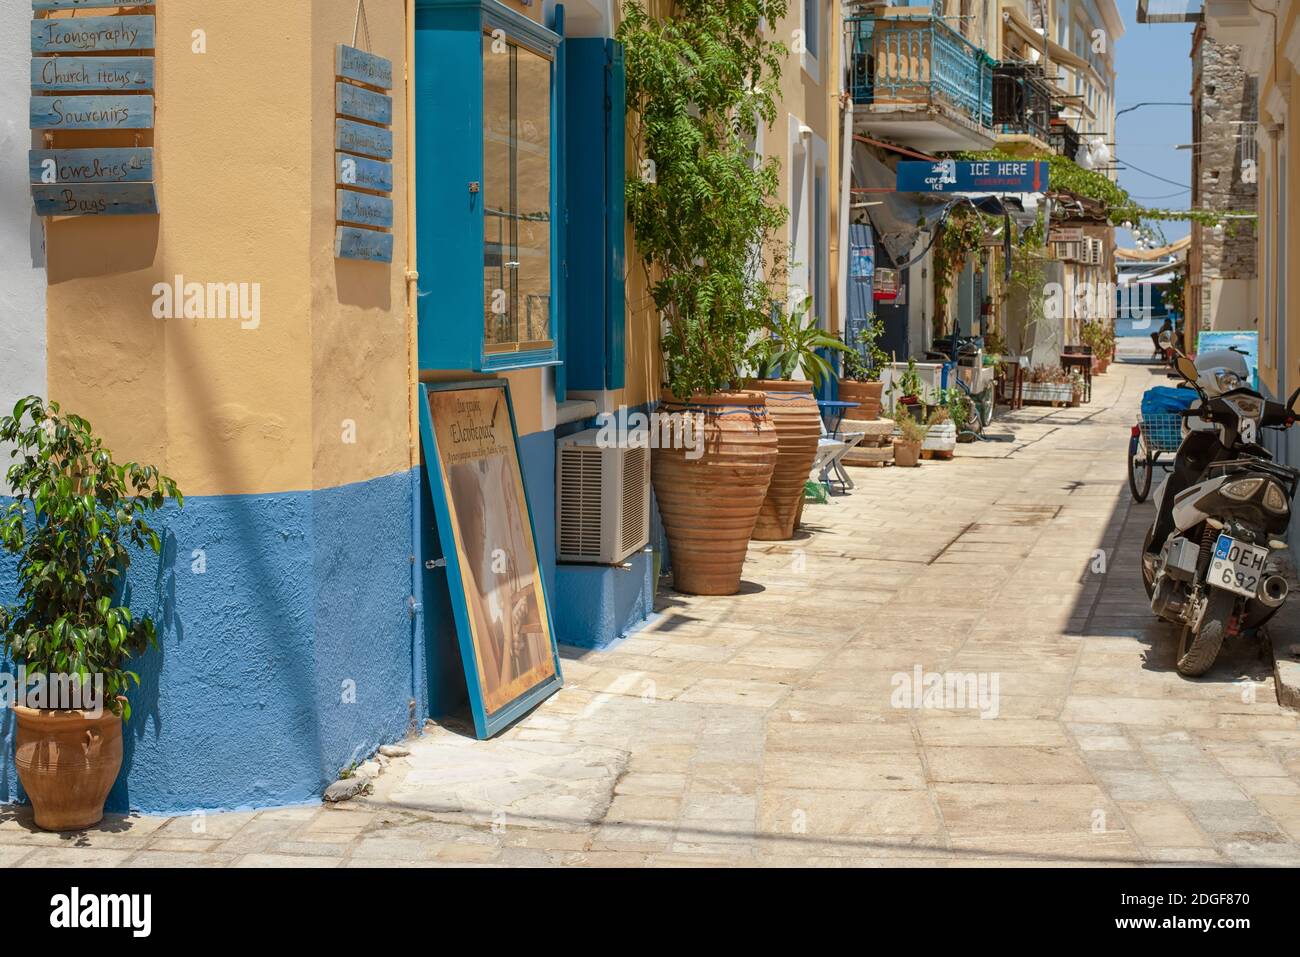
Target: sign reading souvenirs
{"type": "Point", "coordinates": [91, 93]}
{"type": "Point", "coordinates": [494, 572]}
{"type": "Point", "coordinates": [972, 176]}
{"type": "Point", "coordinates": [363, 150]}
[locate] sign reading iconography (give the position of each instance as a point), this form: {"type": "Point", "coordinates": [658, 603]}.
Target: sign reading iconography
{"type": "Point", "coordinates": [503, 621]}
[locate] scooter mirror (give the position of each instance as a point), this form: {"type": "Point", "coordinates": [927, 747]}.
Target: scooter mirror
{"type": "Point", "coordinates": [1185, 367]}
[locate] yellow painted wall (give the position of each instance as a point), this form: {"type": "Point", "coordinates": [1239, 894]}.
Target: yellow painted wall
{"type": "Point", "coordinates": [244, 140]}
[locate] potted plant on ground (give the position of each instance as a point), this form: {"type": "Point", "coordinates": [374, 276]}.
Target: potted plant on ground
{"type": "Point", "coordinates": [940, 433]}
{"type": "Point", "coordinates": [911, 433]}
{"type": "Point", "coordinates": [1099, 335]}
{"type": "Point", "coordinates": [75, 516]}
{"type": "Point", "coordinates": [700, 81]}
{"type": "Point", "coordinates": [1049, 385]}
{"type": "Point", "coordinates": [794, 344]}
{"type": "Point", "coordinates": [861, 364]}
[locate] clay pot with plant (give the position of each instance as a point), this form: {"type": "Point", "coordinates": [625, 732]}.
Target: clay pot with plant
{"type": "Point", "coordinates": [911, 435]}
{"type": "Point", "coordinates": [906, 391]}
{"type": "Point", "coordinates": [794, 345]}
{"type": "Point", "coordinates": [862, 360]}
{"type": "Point", "coordinates": [75, 517]}
{"type": "Point", "coordinates": [698, 221]}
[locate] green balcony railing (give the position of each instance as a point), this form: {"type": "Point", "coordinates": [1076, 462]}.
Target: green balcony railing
{"type": "Point", "coordinates": [902, 61]}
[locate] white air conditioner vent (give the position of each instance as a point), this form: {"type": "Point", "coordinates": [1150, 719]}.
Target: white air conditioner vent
{"type": "Point", "coordinates": [602, 500]}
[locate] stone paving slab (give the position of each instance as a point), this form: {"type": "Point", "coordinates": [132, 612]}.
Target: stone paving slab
{"type": "Point", "coordinates": [789, 725]}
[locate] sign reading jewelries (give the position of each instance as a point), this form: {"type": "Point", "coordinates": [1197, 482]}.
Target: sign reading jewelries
{"type": "Point", "coordinates": [74, 87]}
{"type": "Point", "coordinates": [363, 171]}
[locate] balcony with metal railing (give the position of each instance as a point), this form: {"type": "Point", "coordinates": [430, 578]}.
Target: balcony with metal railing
{"type": "Point", "coordinates": [919, 81]}
{"type": "Point", "coordinates": [1022, 102]}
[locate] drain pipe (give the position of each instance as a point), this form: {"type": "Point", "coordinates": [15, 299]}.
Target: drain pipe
{"type": "Point", "coordinates": [416, 600]}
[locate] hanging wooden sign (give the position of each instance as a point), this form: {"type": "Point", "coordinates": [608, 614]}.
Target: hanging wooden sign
{"type": "Point", "coordinates": [352, 243]}
{"type": "Point", "coordinates": [353, 64]}
{"type": "Point", "coordinates": [63, 73]}
{"type": "Point", "coordinates": [91, 165]}
{"type": "Point", "coordinates": [93, 112]}
{"type": "Point", "coordinates": [90, 34]}
{"type": "Point", "coordinates": [353, 137]}
{"type": "Point", "coordinates": [363, 209]}
{"type": "Point", "coordinates": [362, 104]}
{"type": "Point", "coordinates": [96, 199]}
{"type": "Point", "coordinates": [363, 148]}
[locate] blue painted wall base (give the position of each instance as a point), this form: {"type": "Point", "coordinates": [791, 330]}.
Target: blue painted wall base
{"type": "Point", "coordinates": [595, 605]}
{"type": "Point", "coordinates": [287, 647]}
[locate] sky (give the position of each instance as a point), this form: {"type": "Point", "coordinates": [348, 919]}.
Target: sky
{"type": "Point", "coordinates": [1153, 63]}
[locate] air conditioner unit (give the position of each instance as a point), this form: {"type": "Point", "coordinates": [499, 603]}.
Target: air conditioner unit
{"type": "Point", "coordinates": [602, 499]}
{"type": "Point", "coordinates": [1068, 251]}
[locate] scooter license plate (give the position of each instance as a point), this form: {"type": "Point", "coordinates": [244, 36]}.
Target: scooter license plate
{"type": "Point", "coordinates": [1237, 566]}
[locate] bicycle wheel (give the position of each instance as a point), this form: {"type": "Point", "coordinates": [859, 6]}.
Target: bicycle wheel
{"type": "Point", "coordinates": [1140, 463]}
{"type": "Point", "coordinates": [986, 402]}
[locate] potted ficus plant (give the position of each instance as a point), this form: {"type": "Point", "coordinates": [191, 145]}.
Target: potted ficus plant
{"type": "Point", "coordinates": [700, 81]}
{"type": "Point", "coordinates": [75, 517]}
{"type": "Point", "coordinates": [860, 376]}
{"type": "Point", "coordinates": [793, 346]}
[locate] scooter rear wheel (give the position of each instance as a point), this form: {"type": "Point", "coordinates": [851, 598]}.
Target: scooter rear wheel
{"type": "Point", "coordinates": [1196, 656]}
{"type": "Point", "coordinates": [1140, 468]}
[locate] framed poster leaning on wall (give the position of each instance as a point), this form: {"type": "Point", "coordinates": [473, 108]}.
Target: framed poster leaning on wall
{"type": "Point", "coordinates": [498, 592]}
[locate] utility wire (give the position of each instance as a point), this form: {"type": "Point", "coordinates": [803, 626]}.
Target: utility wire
{"type": "Point", "coordinates": [1162, 179]}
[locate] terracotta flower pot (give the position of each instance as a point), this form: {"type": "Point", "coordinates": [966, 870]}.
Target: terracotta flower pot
{"type": "Point", "coordinates": [907, 454]}
{"type": "Point", "coordinates": [793, 411]}
{"type": "Point", "coordinates": [709, 502]}
{"type": "Point", "coordinates": [67, 762]}
{"type": "Point", "coordinates": [866, 394]}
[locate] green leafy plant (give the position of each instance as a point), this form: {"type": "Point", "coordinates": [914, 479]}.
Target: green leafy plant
{"type": "Point", "coordinates": [855, 367]}
{"type": "Point", "coordinates": [792, 345]}
{"type": "Point", "coordinates": [909, 383]}
{"type": "Point", "coordinates": [700, 81]}
{"type": "Point", "coordinates": [74, 514]}
{"type": "Point", "coordinates": [1099, 335]}
{"type": "Point", "coordinates": [956, 404]}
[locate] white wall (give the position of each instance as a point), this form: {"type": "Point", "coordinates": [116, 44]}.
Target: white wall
{"type": "Point", "coordinates": [22, 235]}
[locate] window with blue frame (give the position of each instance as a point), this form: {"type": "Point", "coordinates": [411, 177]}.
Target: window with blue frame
{"type": "Point", "coordinates": [516, 198]}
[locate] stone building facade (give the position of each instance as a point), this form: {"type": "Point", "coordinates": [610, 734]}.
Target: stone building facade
{"type": "Point", "coordinates": [1221, 260]}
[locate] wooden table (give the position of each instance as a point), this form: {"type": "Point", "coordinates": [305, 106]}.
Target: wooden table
{"type": "Point", "coordinates": [1074, 360]}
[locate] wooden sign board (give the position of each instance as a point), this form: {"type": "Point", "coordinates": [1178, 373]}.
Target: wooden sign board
{"type": "Point", "coordinates": [94, 112]}
{"type": "Point", "coordinates": [89, 34]}
{"type": "Point", "coordinates": [362, 104]}
{"type": "Point", "coordinates": [353, 243]}
{"type": "Point", "coordinates": [89, 4]}
{"type": "Point", "coordinates": [60, 74]}
{"type": "Point", "coordinates": [363, 173]}
{"type": "Point", "coordinates": [354, 64]}
{"type": "Point", "coordinates": [353, 137]}
{"type": "Point", "coordinates": [91, 165]}
{"type": "Point", "coordinates": [96, 199]}
{"type": "Point", "coordinates": [493, 565]}
{"type": "Point", "coordinates": [363, 209]}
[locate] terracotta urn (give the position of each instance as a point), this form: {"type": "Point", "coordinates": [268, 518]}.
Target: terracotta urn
{"type": "Point", "coordinates": [792, 408]}
{"type": "Point", "coordinates": [67, 762]}
{"type": "Point", "coordinates": [711, 486]}
{"type": "Point", "coordinates": [866, 394]}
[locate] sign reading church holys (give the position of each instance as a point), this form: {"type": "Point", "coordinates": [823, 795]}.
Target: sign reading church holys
{"type": "Point", "coordinates": [92, 75]}
{"type": "Point", "coordinates": [363, 144]}
{"type": "Point", "coordinates": [972, 176]}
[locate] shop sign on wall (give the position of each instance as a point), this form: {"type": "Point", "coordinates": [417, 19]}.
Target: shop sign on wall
{"type": "Point", "coordinates": [75, 87]}
{"type": "Point", "coordinates": [363, 144]}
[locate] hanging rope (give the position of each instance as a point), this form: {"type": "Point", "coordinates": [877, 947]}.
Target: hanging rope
{"type": "Point", "coordinates": [362, 23]}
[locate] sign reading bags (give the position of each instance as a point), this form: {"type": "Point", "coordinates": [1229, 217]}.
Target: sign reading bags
{"type": "Point", "coordinates": [363, 146]}
{"type": "Point", "coordinates": [87, 75]}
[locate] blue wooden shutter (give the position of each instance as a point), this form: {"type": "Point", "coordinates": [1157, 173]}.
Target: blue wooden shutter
{"type": "Point", "coordinates": [594, 246]}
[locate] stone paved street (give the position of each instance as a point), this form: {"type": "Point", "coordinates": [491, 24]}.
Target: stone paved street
{"type": "Point", "coordinates": [766, 728]}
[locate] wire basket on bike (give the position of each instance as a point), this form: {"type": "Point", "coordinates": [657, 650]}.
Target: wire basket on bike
{"type": "Point", "coordinates": [1162, 432]}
